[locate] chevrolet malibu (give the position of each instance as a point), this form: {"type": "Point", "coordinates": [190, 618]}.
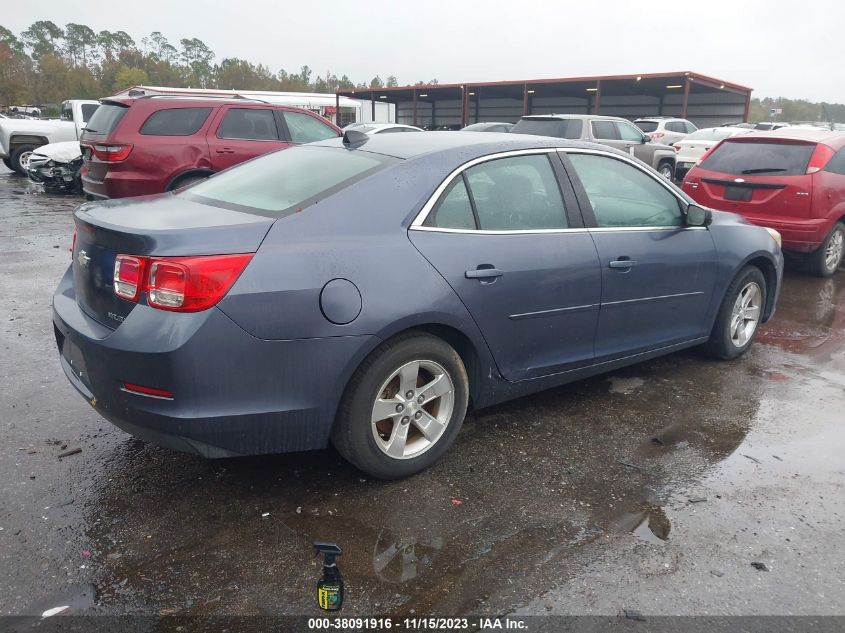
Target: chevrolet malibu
{"type": "Point", "coordinates": [368, 290]}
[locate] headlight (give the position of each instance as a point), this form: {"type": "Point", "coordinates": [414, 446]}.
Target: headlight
{"type": "Point", "coordinates": [775, 236]}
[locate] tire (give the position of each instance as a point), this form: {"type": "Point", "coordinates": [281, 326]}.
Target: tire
{"type": "Point", "coordinates": [824, 261]}
{"type": "Point", "coordinates": [8, 163]}
{"type": "Point", "coordinates": [667, 170]}
{"type": "Point", "coordinates": [377, 446]}
{"type": "Point", "coordinates": [726, 339]}
{"type": "Point", "coordinates": [20, 158]}
{"type": "Point", "coordinates": [186, 181]}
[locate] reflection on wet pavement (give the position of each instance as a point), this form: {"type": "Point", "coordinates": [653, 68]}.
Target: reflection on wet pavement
{"type": "Point", "coordinates": [533, 493]}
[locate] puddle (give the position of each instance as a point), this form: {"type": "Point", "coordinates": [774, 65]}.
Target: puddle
{"type": "Point", "coordinates": [624, 385]}
{"type": "Point", "coordinates": [651, 525]}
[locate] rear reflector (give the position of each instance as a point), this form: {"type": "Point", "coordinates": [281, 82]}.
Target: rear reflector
{"type": "Point", "coordinates": [111, 153]}
{"type": "Point", "coordinates": [657, 134]}
{"type": "Point", "coordinates": [128, 276]}
{"type": "Point", "coordinates": [818, 161]}
{"type": "Point", "coordinates": [147, 391]}
{"type": "Point", "coordinates": [181, 284]}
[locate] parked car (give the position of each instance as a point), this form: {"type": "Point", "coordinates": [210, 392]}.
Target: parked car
{"type": "Point", "coordinates": [666, 130]}
{"type": "Point", "coordinates": [57, 166]}
{"type": "Point", "coordinates": [136, 146]}
{"type": "Point", "coordinates": [488, 126]}
{"type": "Point", "coordinates": [792, 180]}
{"type": "Point", "coordinates": [382, 128]}
{"type": "Point", "coordinates": [257, 314]}
{"type": "Point", "coordinates": [695, 145]}
{"type": "Point", "coordinates": [607, 130]}
{"type": "Point", "coordinates": [18, 137]}
{"type": "Point", "coordinates": [766, 126]}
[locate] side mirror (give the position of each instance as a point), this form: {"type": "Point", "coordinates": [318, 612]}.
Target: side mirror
{"type": "Point", "coordinates": [698, 216]}
{"type": "Point", "coordinates": [645, 139]}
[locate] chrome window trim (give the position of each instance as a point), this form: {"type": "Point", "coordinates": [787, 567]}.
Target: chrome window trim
{"type": "Point", "coordinates": [438, 229]}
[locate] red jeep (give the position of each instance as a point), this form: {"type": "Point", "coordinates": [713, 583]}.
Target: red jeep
{"type": "Point", "coordinates": [150, 144]}
{"type": "Point", "coordinates": [792, 180]}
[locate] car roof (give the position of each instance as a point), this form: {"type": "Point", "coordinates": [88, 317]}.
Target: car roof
{"type": "Point", "coordinates": [584, 117]}
{"type": "Point", "coordinates": [188, 101]}
{"type": "Point", "coordinates": [472, 145]}
{"type": "Point", "coordinates": [829, 137]}
{"type": "Point", "coordinates": [659, 118]}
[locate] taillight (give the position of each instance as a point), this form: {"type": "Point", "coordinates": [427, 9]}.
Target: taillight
{"type": "Point", "coordinates": [677, 147]}
{"type": "Point", "coordinates": [657, 134]}
{"type": "Point", "coordinates": [821, 155]}
{"type": "Point", "coordinates": [112, 152]}
{"type": "Point", "coordinates": [128, 276]}
{"type": "Point", "coordinates": [148, 391]}
{"type": "Point", "coordinates": [181, 284]}
{"type": "Point", "coordinates": [73, 244]}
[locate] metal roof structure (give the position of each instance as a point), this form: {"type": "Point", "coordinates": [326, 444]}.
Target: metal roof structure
{"type": "Point", "coordinates": [686, 94]}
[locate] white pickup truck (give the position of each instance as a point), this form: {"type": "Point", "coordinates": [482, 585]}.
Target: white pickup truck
{"type": "Point", "coordinates": [18, 137]}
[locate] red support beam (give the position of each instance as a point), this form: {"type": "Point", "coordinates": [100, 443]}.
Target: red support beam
{"type": "Point", "coordinates": [373, 104]}
{"type": "Point", "coordinates": [747, 111]}
{"type": "Point", "coordinates": [415, 107]}
{"type": "Point", "coordinates": [597, 102]}
{"type": "Point", "coordinates": [464, 115]}
{"type": "Point", "coordinates": [686, 98]}
{"type": "Point", "coordinates": [526, 105]}
{"type": "Point", "coordinates": [337, 108]}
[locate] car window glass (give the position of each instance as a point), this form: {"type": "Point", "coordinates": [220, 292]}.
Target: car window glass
{"type": "Point", "coordinates": [560, 128]}
{"type": "Point", "coordinates": [172, 122]}
{"type": "Point", "coordinates": [836, 165]}
{"type": "Point", "coordinates": [623, 195]}
{"type": "Point", "coordinates": [304, 128]}
{"type": "Point", "coordinates": [674, 126]}
{"type": "Point", "coordinates": [628, 132]}
{"type": "Point", "coordinates": [106, 118]}
{"type": "Point", "coordinates": [250, 124]}
{"type": "Point", "coordinates": [690, 127]}
{"type": "Point", "coordinates": [87, 110]}
{"type": "Point", "coordinates": [760, 157]}
{"type": "Point", "coordinates": [605, 130]}
{"type": "Point", "coordinates": [518, 193]}
{"type": "Point", "coordinates": [390, 130]}
{"type": "Point", "coordinates": [647, 126]}
{"type": "Point", "coordinates": [454, 210]}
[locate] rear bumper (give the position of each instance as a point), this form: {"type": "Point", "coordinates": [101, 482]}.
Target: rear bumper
{"type": "Point", "coordinates": [803, 236]}
{"type": "Point", "coordinates": [119, 185]}
{"type": "Point", "coordinates": [233, 394]}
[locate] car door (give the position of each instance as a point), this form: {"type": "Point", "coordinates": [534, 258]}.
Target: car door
{"type": "Point", "coordinates": [243, 132]}
{"type": "Point", "coordinates": [658, 274]}
{"type": "Point", "coordinates": [608, 132]}
{"type": "Point", "coordinates": [511, 243]}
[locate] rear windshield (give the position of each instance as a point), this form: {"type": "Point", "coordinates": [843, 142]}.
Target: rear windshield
{"type": "Point", "coordinates": [288, 180]}
{"type": "Point", "coordinates": [647, 126]}
{"type": "Point", "coordinates": [106, 118]}
{"type": "Point", "coordinates": [87, 110]}
{"type": "Point", "coordinates": [710, 134]}
{"type": "Point", "coordinates": [559, 128]}
{"type": "Point", "coordinates": [759, 157]}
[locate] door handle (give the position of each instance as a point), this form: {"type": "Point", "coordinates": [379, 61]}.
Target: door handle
{"type": "Point", "coordinates": [483, 273]}
{"type": "Point", "coordinates": [225, 151]}
{"type": "Point", "coordinates": [623, 264]}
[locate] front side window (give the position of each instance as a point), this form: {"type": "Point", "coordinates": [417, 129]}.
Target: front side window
{"type": "Point", "coordinates": [281, 183]}
{"type": "Point", "coordinates": [304, 128]}
{"type": "Point", "coordinates": [628, 132]}
{"type": "Point", "coordinates": [249, 123]}
{"type": "Point", "coordinates": [605, 130]}
{"type": "Point", "coordinates": [518, 193]}
{"type": "Point", "coordinates": [174, 122]}
{"type": "Point", "coordinates": [623, 195]}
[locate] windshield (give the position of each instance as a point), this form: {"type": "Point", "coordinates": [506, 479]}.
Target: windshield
{"type": "Point", "coordinates": [647, 126]}
{"type": "Point", "coordinates": [760, 158]}
{"type": "Point", "coordinates": [709, 134]}
{"type": "Point", "coordinates": [288, 180]}
{"type": "Point", "coordinates": [559, 128]}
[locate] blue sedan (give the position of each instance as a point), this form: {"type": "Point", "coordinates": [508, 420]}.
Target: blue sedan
{"type": "Point", "coordinates": [368, 290]}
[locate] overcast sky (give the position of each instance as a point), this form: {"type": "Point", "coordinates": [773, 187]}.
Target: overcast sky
{"type": "Point", "coordinates": [796, 52]}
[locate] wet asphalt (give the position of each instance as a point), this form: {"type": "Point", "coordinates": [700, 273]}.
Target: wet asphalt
{"type": "Point", "coordinates": [678, 486]}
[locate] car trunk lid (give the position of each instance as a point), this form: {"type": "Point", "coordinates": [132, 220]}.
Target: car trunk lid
{"type": "Point", "coordinates": [159, 226]}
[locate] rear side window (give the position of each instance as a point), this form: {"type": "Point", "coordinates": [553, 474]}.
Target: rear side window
{"type": "Point", "coordinates": [676, 126]}
{"type": "Point", "coordinates": [249, 123]}
{"type": "Point", "coordinates": [759, 157]}
{"type": "Point", "coordinates": [175, 122]}
{"type": "Point", "coordinates": [454, 210]}
{"type": "Point", "coordinates": [836, 165]}
{"type": "Point", "coordinates": [559, 128]}
{"type": "Point", "coordinates": [305, 128]}
{"type": "Point", "coordinates": [106, 118]}
{"type": "Point", "coordinates": [605, 130]}
{"type": "Point", "coordinates": [282, 183]}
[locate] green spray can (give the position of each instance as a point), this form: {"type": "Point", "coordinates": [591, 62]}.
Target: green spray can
{"type": "Point", "coordinates": [330, 586]}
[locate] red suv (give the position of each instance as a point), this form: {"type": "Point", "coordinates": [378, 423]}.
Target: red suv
{"type": "Point", "coordinates": [151, 144]}
{"type": "Point", "coordinates": [792, 180]}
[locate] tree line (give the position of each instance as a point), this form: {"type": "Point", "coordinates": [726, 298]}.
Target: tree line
{"type": "Point", "coordinates": [46, 64]}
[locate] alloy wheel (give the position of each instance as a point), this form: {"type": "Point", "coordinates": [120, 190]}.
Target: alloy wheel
{"type": "Point", "coordinates": [745, 315]}
{"type": "Point", "coordinates": [833, 254]}
{"type": "Point", "coordinates": [412, 409]}
{"type": "Point", "coordinates": [23, 159]}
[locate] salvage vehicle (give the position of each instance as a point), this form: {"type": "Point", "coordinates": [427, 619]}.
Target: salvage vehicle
{"type": "Point", "coordinates": [792, 180]}
{"type": "Point", "coordinates": [691, 149]}
{"type": "Point", "coordinates": [607, 130]}
{"type": "Point", "coordinates": [136, 146]}
{"type": "Point", "coordinates": [56, 166]}
{"type": "Point", "coordinates": [18, 137]}
{"type": "Point", "coordinates": [388, 282]}
{"type": "Point", "coordinates": [665, 129]}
